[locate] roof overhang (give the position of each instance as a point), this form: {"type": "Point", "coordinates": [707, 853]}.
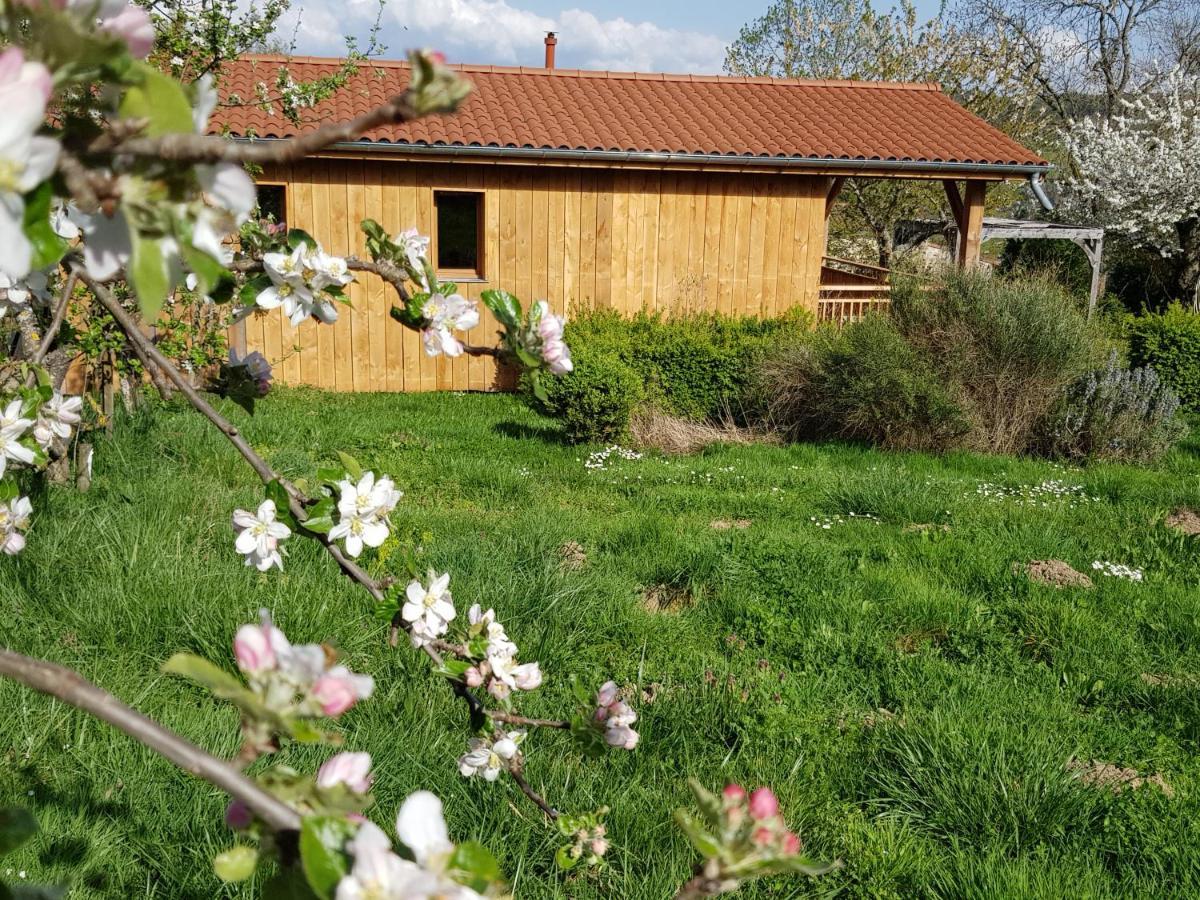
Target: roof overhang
{"type": "Point", "coordinates": [801, 165]}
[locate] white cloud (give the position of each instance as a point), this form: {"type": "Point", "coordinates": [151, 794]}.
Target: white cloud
{"type": "Point", "coordinates": [494, 31]}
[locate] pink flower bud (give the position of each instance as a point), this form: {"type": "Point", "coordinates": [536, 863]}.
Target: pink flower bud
{"type": "Point", "coordinates": [763, 804]}
{"type": "Point", "coordinates": [762, 837]}
{"type": "Point", "coordinates": [438, 57]}
{"type": "Point", "coordinates": [791, 844]}
{"type": "Point", "coordinates": [600, 846]}
{"type": "Point", "coordinates": [527, 676]}
{"type": "Point", "coordinates": [351, 769]}
{"type": "Point", "coordinates": [734, 793]}
{"type": "Point", "coordinates": [339, 689]}
{"type": "Point", "coordinates": [473, 677]}
{"type": "Point", "coordinates": [607, 694]}
{"type": "Point", "coordinates": [238, 816]}
{"type": "Point", "coordinates": [252, 649]}
{"type": "Point", "coordinates": [133, 26]}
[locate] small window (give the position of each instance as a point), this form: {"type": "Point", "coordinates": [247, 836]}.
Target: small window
{"type": "Point", "coordinates": [272, 204]}
{"type": "Point", "coordinates": [459, 233]}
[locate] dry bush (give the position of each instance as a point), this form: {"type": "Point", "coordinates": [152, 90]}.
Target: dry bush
{"type": "Point", "coordinates": [651, 428]}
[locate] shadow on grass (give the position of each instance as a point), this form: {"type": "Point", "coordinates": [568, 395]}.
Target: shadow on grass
{"type": "Point", "coordinates": [521, 431]}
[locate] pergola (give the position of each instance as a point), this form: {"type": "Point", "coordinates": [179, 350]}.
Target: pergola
{"type": "Point", "coordinates": [1089, 239]}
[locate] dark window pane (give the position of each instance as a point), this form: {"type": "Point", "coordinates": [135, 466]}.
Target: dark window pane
{"type": "Point", "coordinates": [458, 230]}
{"type": "Point", "coordinates": [272, 204]}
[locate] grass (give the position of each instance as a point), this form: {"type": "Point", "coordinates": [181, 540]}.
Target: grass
{"type": "Point", "coordinates": [914, 702]}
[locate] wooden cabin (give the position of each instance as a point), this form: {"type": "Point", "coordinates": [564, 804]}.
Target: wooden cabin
{"type": "Point", "coordinates": [599, 190]}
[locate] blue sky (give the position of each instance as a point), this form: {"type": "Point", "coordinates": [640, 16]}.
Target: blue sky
{"type": "Point", "coordinates": [649, 36]}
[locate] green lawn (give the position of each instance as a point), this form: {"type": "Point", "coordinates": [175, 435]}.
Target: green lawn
{"type": "Point", "coordinates": [914, 703]}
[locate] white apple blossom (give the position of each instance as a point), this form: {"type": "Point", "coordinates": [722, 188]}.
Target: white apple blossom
{"type": "Point", "coordinates": [56, 417]}
{"type": "Point", "coordinates": [554, 351]}
{"type": "Point", "coordinates": [351, 769]}
{"type": "Point", "coordinates": [18, 292]}
{"type": "Point", "coordinates": [415, 248]}
{"type": "Point", "coordinates": [14, 519]}
{"type": "Point", "coordinates": [13, 416]}
{"type": "Point", "coordinates": [447, 313]}
{"type": "Point", "coordinates": [379, 874]}
{"type": "Point", "coordinates": [428, 610]}
{"type": "Point", "coordinates": [26, 158]}
{"type": "Point", "coordinates": [11, 447]}
{"type": "Point", "coordinates": [498, 642]}
{"type": "Point", "coordinates": [299, 281]}
{"type": "Point", "coordinates": [259, 534]}
{"type": "Point", "coordinates": [369, 497]}
{"type": "Point", "coordinates": [490, 757]}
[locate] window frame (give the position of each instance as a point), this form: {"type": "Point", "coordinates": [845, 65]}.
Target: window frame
{"type": "Point", "coordinates": [478, 274]}
{"type": "Point", "coordinates": [283, 187]}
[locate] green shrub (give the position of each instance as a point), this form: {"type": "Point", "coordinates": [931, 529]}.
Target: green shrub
{"type": "Point", "coordinates": [594, 402]}
{"type": "Point", "coordinates": [1005, 348]}
{"type": "Point", "coordinates": [1116, 413]}
{"type": "Point", "coordinates": [863, 382]}
{"type": "Point", "coordinates": [1169, 343]}
{"type": "Point", "coordinates": [697, 367]}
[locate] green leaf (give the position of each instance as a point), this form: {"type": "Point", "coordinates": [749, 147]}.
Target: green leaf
{"type": "Point", "coordinates": [351, 465]}
{"type": "Point", "coordinates": [17, 826]}
{"type": "Point", "coordinates": [563, 858]}
{"type": "Point", "coordinates": [208, 271]}
{"type": "Point", "coordinates": [252, 288]}
{"type": "Point", "coordinates": [236, 864]}
{"type": "Point", "coordinates": [8, 490]}
{"type": "Point", "coordinates": [528, 358]}
{"type": "Point", "coordinates": [707, 845]}
{"type": "Point", "coordinates": [453, 668]}
{"type": "Point", "coordinates": [504, 306]}
{"type": "Point", "coordinates": [802, 865]}
{"type": "Point", "coordinates": [48, 247]}
{"type": "Point", "coordinates": [297, 236]}
{"type": "Point", "coordinates": [710, 804]}
{"type": "Point", "coordinates": [159, 99]}
{"type": "Point", "coordinates": [539, 389]}
{"type": "Point", "coordinates": [150, 274]}
{"type": "Point", "coordinates": [322, 852]}
{"type": "Point", "coordinates": [276, 493]}
{"type": "Point", "coordinates": [476, 866]}
{"type": "Point", "coordinates": [204, 673]}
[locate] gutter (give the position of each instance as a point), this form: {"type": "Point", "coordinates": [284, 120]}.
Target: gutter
{"type": "Point", "coordinates": [1032, 171]}
{"type": "Point", "coordinates": [1035, 185]}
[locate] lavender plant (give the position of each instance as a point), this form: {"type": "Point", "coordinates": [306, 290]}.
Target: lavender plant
{"type": "Point", "coordinates": [1115, 413]}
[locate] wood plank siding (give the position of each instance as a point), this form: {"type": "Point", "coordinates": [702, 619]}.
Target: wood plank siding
{"type": "Point", "coordinates": [581, 238]}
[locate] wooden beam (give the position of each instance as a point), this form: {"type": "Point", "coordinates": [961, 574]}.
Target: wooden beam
{"type": "Point", "coordinates": [955, 200]}
{"type": "Point", "coordinates": [835, 188]}
{"type": "Point", "coordinates": [970, 229]}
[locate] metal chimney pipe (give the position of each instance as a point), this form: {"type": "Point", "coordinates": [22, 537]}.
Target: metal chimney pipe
{"type": "Point", "coordinates": [551, 41]}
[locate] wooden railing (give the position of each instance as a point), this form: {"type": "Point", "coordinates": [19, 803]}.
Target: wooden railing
{"type": "Point", "coordinates": [850, 290]}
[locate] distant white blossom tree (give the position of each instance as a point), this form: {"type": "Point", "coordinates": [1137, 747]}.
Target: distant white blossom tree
{"type": "Point", "coordinates": [1139, 174]}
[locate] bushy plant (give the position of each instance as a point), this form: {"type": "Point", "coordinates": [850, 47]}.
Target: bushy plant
{"type": "Point", "coordinates": [696, 367]}
{"type": "Point", "coordinates": [1170, 343]}
{"type": "Point", "coordinates": [1116, 413]}
{"type": "Point", "coordinates": [595, 401]}
{"type": "Point", "coordinates": [1004, 347]}
{"type": "Point", "coordinates": [862, 382]}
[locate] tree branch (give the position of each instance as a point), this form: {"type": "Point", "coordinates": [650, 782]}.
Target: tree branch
{"type": "Point", "coordinates": [60, 315]}
{"type": "Point", "coordinates": [200, 148]}
{"type": "Point", "coordinates": [73, 689]}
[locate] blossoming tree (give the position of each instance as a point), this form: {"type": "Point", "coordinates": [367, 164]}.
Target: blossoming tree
{"type": "Point", "coordinates": [109, 184]}
{"type": "Point", "coordinates": [1139, 174]}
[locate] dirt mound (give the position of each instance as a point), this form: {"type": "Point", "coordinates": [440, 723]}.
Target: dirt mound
{"type": "Point", "coordinates": [571, 556]}
{"type": "Point", "coordinates": [1184, 520]}
{"type": "Point", "coordinates": [1053, 572]}
{"type": "Point", "coordinates": [1106, 776]}
{"type": "Point", "coordinates": [726, 524]}
{"type": "Point", "coordinates": [925, 528]}
{"type": "Point", "coordinates": [666, 598]}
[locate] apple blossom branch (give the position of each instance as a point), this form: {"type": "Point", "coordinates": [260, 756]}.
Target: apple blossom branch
{"type": "Point", "coordinates": [295, 501]}
{"type": "Point", "coordinates": [72, 688]}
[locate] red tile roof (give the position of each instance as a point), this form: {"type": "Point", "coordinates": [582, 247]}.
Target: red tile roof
{"type": "Point", "coordinates": [569, 109]}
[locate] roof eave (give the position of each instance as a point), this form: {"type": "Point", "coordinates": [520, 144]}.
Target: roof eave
{"type": "Point", "coordinates": [617, 157]}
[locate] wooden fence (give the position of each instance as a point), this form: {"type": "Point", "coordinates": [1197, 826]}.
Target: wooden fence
{"type": "Point", "coordinates": [850, 290]}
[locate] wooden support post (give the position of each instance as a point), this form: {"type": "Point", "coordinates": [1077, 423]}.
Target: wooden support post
{"type": "Point", "coordinates": [971, 226]}
{"type": "Point", "coordinates": [835, 188]}
{"type": "Point", "coordinates": [1094, 248]}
